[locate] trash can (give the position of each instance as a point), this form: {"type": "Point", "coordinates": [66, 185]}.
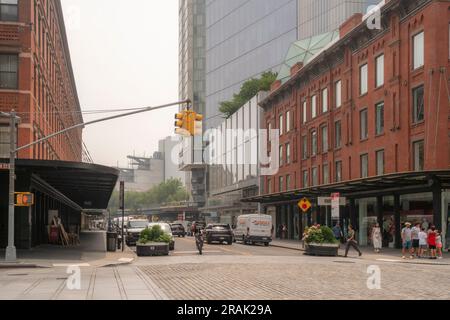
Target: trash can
{"type": "Point", "coordinates": [111, 241]}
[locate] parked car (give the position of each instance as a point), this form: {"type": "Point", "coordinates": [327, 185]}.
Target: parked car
{"type": "Point", "coordinates": [166, 228]}
{"type": "Point", "coordinates": [254, 228]}
{"type": "Point", "coordinates": [178, 230]}
{"type": "Point", "coordinates": [133, 231]}
{"type": "Point", "coordinates": [219, 233]}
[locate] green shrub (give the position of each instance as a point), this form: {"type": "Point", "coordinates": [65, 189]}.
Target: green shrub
{"type": "Point", "coordinates": [155, 234]}
{"type": "Point", "coordinates": [320, 234]}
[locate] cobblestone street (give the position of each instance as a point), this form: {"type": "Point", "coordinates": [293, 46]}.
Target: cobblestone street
{"type": "Point", "coordinates": [233, 273]}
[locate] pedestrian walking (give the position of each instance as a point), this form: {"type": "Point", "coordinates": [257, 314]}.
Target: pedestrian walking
{"type": "Point", "coordinates": [337, 231]}
{"type": "Point", "coordinates": [284, 232]}
{"type": "Point", "coordinates": [423, 243]}
{"type": "Point", "coordinates": [432, 242]}
{"type": "Point", "coordinates": [439, 244]}
{"type": "Point", "coordinates": [407, 241]}
{"type": "Point", "coordinates": [415, 239]}
{"type": "Point", "coordinates": [351, 242]}
{"type": "Point", "coordinates": [376, 238]}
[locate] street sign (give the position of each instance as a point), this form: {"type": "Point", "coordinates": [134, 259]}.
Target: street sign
{"type": "Point", "coordinates": [335, 205]}
{"type": "Point", "coordinates": [304, 205]}
{"type": "Point", "coordinates": [326, 201]}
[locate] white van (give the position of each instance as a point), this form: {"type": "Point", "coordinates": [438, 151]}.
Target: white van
{"type": "Point", "coordinates": [254, 228]}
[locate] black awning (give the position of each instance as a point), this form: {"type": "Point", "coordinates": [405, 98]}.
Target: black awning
{"type": "Point", "coordinates": [356, 188]}
{"type": "Point", "coordinates": [89, 186]}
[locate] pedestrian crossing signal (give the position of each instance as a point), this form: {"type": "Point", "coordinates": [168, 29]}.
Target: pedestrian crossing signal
{"type": "Point", "coordinates": [23, 199]}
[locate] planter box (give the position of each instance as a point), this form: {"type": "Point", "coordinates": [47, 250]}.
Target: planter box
{"type": "Point", "coordinates": [322, 250]}
{"type": "Point", "coordinates": [152, 249]}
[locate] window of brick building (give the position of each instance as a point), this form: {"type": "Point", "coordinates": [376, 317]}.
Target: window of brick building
{"type": "Point", "coordinates": [379, 118]}
{"type": "Point", "coordinates": [337, 134]}
{"type": "Point", "coordinates": [325, 100]}
{"type": "Point", "coordinates": [363, 125]}
{"type": "Point", "coordinates": [325, 174]}
{"type": "Point", "coordinates": [380, 162]}
{"type": "Point", "coordinates": [314, 143]}
{"type": "Point", "coordinates": [4, 141]}
{"type": "Point", "coordinates": [288, 182]}
{"type": "Point", "coordinates": [418, 50]}
{"type": "Point", "coordinates": [315, 177]}
{"type": "Point", "coordinates": [338, 171]}
{"type": "Point", "coordinates": [288, 121]}
{"type": "Point", "coordinates": [269, 186]}
{"type": "Point", "coordinates": [288, 153]}
{"type": "Point", "coordinates": [419, 155]}
{"type": "Point", "coordinates": [281, 155]}
{"type": "Point", "coordinates": [305, 179]}
{"type": "Point", "coordinates": [363, 79]}
{"type": "Point", "coordinates": [418, 104]}
{"type": "Point", "coordinates": [305, 112]}
{"type": "Point", "coordinates": [9, 10]}
{"type": "Point", "coordinates": [9, 65]}
{"type": "Point", "coordinates": [338, 94]}
{"type": "Point", "coordinates": [281, 184]}
{"type": "Point", "coordinates": [324, 139]}
{"type": "Point", "coordinates": [281, 119]}
{"type": "Point", "coordinates": [314, 107]}
{"type": "Point", "coordinates": [304, 147]}
{"type": "Point", "coordinates": [364, 166]}
{"type": "Point", "coordinates": [379, 75]}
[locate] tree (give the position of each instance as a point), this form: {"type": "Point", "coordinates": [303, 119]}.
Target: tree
{"type": "Point", "coordinates": [248, 90]}
{"type": "Point", "coordinates": [170, 191]}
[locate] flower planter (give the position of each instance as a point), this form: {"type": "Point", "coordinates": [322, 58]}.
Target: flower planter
{"type": "Point", "coordinates": [322, 250]}
{"type": "Point", "coordinates": [152, 249]}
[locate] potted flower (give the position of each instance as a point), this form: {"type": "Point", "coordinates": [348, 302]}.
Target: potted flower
{"type": "Point", "coordinates": [320, 241]}
{"type": "Point", "coordinates": [153, 242]}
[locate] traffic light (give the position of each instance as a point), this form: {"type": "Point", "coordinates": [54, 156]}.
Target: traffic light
{"type": "Point", "coordinates": [189, 123]}
{"type": "Point", "coordinates": [181, 123]}
{"type": "Point", "coordinates": [198, 125]}
{"type": "Point", "coordinates": [24, 199]}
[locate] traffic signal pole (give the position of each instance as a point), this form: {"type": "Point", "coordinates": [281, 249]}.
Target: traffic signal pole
{"type": "Point", "coordinates": [11, 253]}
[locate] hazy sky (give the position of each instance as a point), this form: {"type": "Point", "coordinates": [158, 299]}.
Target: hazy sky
{"type": "Point", "coordinates": [124, 55]}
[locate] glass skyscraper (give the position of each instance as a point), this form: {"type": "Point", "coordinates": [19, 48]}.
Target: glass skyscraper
{"type": "Point", "coordinates": [320, 16]}
{"type": "Point", "coordinates": [243, 39]}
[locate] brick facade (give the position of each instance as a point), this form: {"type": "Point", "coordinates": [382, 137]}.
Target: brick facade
{"type": "Point", "coordinates": [45, 97]}
{"type": "Point", "coordinates": [402, 20]}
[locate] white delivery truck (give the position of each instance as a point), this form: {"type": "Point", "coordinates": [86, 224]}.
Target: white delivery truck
{"type": "Point", "coordinates": [254, 228]}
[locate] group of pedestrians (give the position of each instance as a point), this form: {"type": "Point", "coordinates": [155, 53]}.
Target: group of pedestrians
{"type": "Point", "coordinates": [421, 243]}
{"type": "Point", "coordinates": [418, 241]}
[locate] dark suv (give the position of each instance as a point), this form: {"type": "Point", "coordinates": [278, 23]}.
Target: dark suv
{"type": "Point", "coordinates": [178, 230]}
{"type": "Point", "coordinates": [219, 233]}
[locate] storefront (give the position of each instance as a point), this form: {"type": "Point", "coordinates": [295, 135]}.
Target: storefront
{"type": "Point", "coordinates": [390, 200]}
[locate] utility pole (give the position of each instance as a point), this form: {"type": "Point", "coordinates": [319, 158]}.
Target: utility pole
{"type": "Point", "coordinates": [11, 254]}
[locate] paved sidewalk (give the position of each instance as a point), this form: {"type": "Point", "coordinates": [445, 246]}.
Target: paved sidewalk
{"type": "Point", "coordinates": [387, 255]}
{"type": "Point", "coordinates": [51, 256]}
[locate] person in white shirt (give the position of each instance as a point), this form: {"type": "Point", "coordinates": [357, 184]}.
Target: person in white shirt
{"type": "Point", "coordinates": [423, 243]}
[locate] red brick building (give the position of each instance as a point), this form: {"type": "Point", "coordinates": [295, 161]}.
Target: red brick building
{"type": "Point", "coordinates": [36, 79]}
{"type": "Point", "coordinates": [373, 104]}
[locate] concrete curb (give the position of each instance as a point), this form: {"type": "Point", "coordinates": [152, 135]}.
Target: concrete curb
{"type": "Point", "coordinates": [22, 266]}
{"type": "Point", "coordinates": [398, 262]}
